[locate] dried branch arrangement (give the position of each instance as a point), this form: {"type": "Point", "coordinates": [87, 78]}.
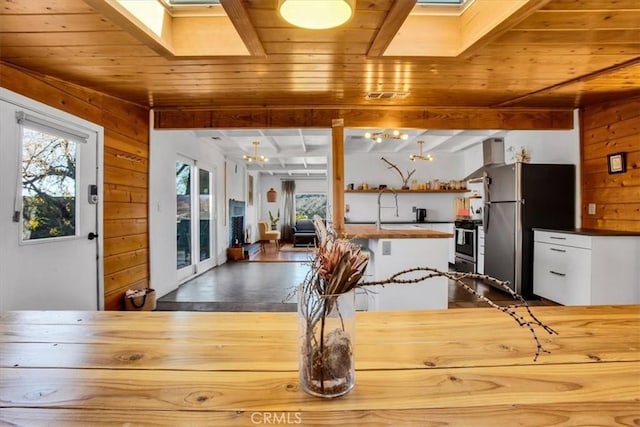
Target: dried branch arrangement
{"type": "Point", "coordinates": [336, 269]}
{"type": "Point", "coordinates": [405, 181]}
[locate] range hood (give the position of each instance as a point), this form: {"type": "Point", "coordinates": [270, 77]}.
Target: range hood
{"type": "Point", "coordinates": [492, 155]}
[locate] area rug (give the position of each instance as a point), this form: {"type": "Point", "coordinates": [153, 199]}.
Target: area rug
{"type": "Point", "coordinates": [288, 247]}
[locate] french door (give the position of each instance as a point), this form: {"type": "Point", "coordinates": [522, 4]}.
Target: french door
{"type": "Point", "coordinates": [195, 219]}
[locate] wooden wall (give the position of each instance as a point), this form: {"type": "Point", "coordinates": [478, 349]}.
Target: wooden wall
{"type": "Point", "coordinates": [611, 128]}
{"type": "Point", "coordinates": [126, 170]}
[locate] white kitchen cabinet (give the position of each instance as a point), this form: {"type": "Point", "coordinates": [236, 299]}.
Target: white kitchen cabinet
{"type": "Point", "coordinates": [586, 269]}
{"type": "Point", "coordinates": [447, 227]}
{"type": "Point", "coordinates": [480, 259]}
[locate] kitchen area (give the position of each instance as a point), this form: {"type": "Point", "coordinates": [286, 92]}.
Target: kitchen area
{"type": "Point", "coordinates": [500, 217]}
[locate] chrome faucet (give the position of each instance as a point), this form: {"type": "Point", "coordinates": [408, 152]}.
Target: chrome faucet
{"type": "Point", "coordinates": [395, 195]}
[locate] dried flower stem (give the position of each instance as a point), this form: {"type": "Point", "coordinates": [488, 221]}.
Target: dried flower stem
{"type": "Point", "coordinates": [458, 278]}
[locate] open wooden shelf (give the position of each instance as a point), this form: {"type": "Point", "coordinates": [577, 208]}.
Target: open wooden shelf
{"type": "Point", "coordinates": [409, 191]}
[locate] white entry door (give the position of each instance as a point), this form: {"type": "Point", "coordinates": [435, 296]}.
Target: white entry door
{"type": "Point", "coordinates": [50, 199]}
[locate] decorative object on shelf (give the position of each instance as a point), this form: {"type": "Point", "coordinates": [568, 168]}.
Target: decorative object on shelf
{"type": "Point", "coordinates": [255, 157]}
{"type": "Point", "coordinates": [326, 304]}
{"type": "Point", "coordinates": [316, 14]}
{"type": "Point", "coordinates": [617, 162]}
{"type": "Point", "coordinates": [405, 181]}
{"type": "Point", "coordinates": [421, 156]}
{"type": "Point", "coordinates": [272, 195]}
{"type": "Point", "coordinates": [520, 155]}
{"type": "Point", "coordinates": [274, 220]}
{"type": "Point", "coordinates": [381, 136]}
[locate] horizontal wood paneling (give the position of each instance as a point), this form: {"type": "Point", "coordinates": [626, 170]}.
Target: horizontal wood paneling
{"type": "Point", "coordinates": [125, 227]}
{"type": "Point", "coordinates": [124, 244]}
{"type": "Point", "coordinates": [126, 150]}
{"type": "Point", "coordinates": [116, 263]}
{"type": "Point", "coordinates": [123, 193]}
{"type": "Point", "coordinates": [123, 278]}
{"type": "Point", "coordinates": [606, 129]}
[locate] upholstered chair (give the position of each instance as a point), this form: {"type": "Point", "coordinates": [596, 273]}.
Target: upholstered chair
{"type": "Point", "coordinates": [266, 235]}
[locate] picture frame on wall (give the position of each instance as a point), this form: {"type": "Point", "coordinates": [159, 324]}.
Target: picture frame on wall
{"type": "Point", "coordinates": [617, 163]}
{"type": "Point", "coordinates": [250, 190]}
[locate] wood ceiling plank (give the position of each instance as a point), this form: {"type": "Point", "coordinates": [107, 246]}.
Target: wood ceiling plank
{"type": "Point", "coordinates": [334, 35]}
{"type": "Point", "coordinates": [48, 23]}
{"type": "Point", "coordinates": [44, 7]}
{"type": "Point", "coordinates": [571, 5]}
{"type": "Point", "coordinates": [81, 38]}
{"type": "Point", "coordinates": [316, 48]}
{"type": "Point", "coordinates": [597, 20]}
{"type": "Point", "coordinates": [578, 37]}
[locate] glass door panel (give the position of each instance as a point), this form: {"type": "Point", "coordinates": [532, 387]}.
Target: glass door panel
{"type": "Point", "coordinates": [183, 215]}
{"type": "Point", "coordinates": [204, 184]}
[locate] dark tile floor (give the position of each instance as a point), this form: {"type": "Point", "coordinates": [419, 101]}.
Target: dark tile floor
{"type": "Point", "coordinates": [262, 286]}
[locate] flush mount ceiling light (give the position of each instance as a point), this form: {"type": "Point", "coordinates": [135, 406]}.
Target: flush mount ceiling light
{"type": "Point", "coordinates": [380, 136]}
{"type": "Point", "coordinates": [316, 14]}
{"type": "Point", "coordinates": [421, 156]}
{"type": "Point", "coordinates": [255, 157]}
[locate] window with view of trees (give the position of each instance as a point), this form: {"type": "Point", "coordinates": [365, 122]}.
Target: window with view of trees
{"type": "Point", "coordinates": [48, 185]}
{"type": "Point", "coordinates": [310, 204]}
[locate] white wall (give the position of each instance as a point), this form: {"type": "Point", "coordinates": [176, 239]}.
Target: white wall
{"type": "Point", "coordinates": [165, 146]}
{"type": "Point", "coordinates": [371, 169]}
{"type": "Point", "coordinates": [542, 146]}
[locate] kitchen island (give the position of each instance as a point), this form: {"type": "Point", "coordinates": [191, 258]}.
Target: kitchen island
{"type": "Point", "coordinates": [456, 367]}
{"type": "Point", "coordinates": [396, 247]}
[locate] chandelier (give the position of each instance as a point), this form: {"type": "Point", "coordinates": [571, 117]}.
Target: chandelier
{"type": "Point", "coordinates": [255, 157]}
{"type": "Point", "coordinates": [421, 156]}
{"type": "Point", "coordinates": [379, 136]}
{"type": "Point", "coordinates": [316, 14]}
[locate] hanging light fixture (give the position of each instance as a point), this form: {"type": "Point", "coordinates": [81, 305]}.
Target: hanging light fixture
{"type": "Point", "coordinates": [421, 156]}
{"type": "Point", "coordinates": [380, 136]}
{"type": "Point", "coordinates": [316, 14]}
{"type": "Point", "coordinates": [255, 157]}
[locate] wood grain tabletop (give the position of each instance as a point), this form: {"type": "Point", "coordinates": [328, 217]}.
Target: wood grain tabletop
{"type": "Point", "coordinates": [438, 367]}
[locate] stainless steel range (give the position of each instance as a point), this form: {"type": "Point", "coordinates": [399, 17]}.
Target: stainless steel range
{"type": "Point", "coordinates": [466, 237]}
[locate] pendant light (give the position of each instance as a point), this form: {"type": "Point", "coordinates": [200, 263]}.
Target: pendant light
{"type": "Point", "coordinates": [421, 156]}
{"type": "Point", "coordinates": [255, 157]}
{"type": "Point", "coordinates": [316, 14]}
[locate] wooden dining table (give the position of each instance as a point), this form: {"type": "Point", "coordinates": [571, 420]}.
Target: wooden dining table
{"type": "Point", "coordinates": [461, 367]}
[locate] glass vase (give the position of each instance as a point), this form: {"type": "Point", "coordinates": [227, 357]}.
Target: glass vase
{"type": "Point", "coordinates": [326, 326]}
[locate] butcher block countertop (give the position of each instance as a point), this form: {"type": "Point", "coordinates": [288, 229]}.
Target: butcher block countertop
{"type": "Point", "coordinates": [463, 367]}
{"type": "Point", "coordinates": [369, 231]}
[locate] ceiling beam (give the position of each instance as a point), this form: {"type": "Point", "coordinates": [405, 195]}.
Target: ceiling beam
{"type": "Point", "coordinates": [240, 19]}
{"type": "Point", "coordinates": [392, 23]}
{"type": "Point", "coordinates": [388, 117]}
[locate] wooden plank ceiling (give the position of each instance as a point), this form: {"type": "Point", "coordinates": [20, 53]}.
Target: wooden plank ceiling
{"type": "Point", "coordinates": [565, 54]}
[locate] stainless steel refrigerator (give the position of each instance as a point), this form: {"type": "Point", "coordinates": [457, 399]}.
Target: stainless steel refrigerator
{"type": "Point", "coordinates": [519, 197]}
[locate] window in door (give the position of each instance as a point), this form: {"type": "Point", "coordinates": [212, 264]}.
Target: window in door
{"type": "Point", "coordinates": [49, 186]}
{"type": "Point", "coordinates": [310, 204]}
